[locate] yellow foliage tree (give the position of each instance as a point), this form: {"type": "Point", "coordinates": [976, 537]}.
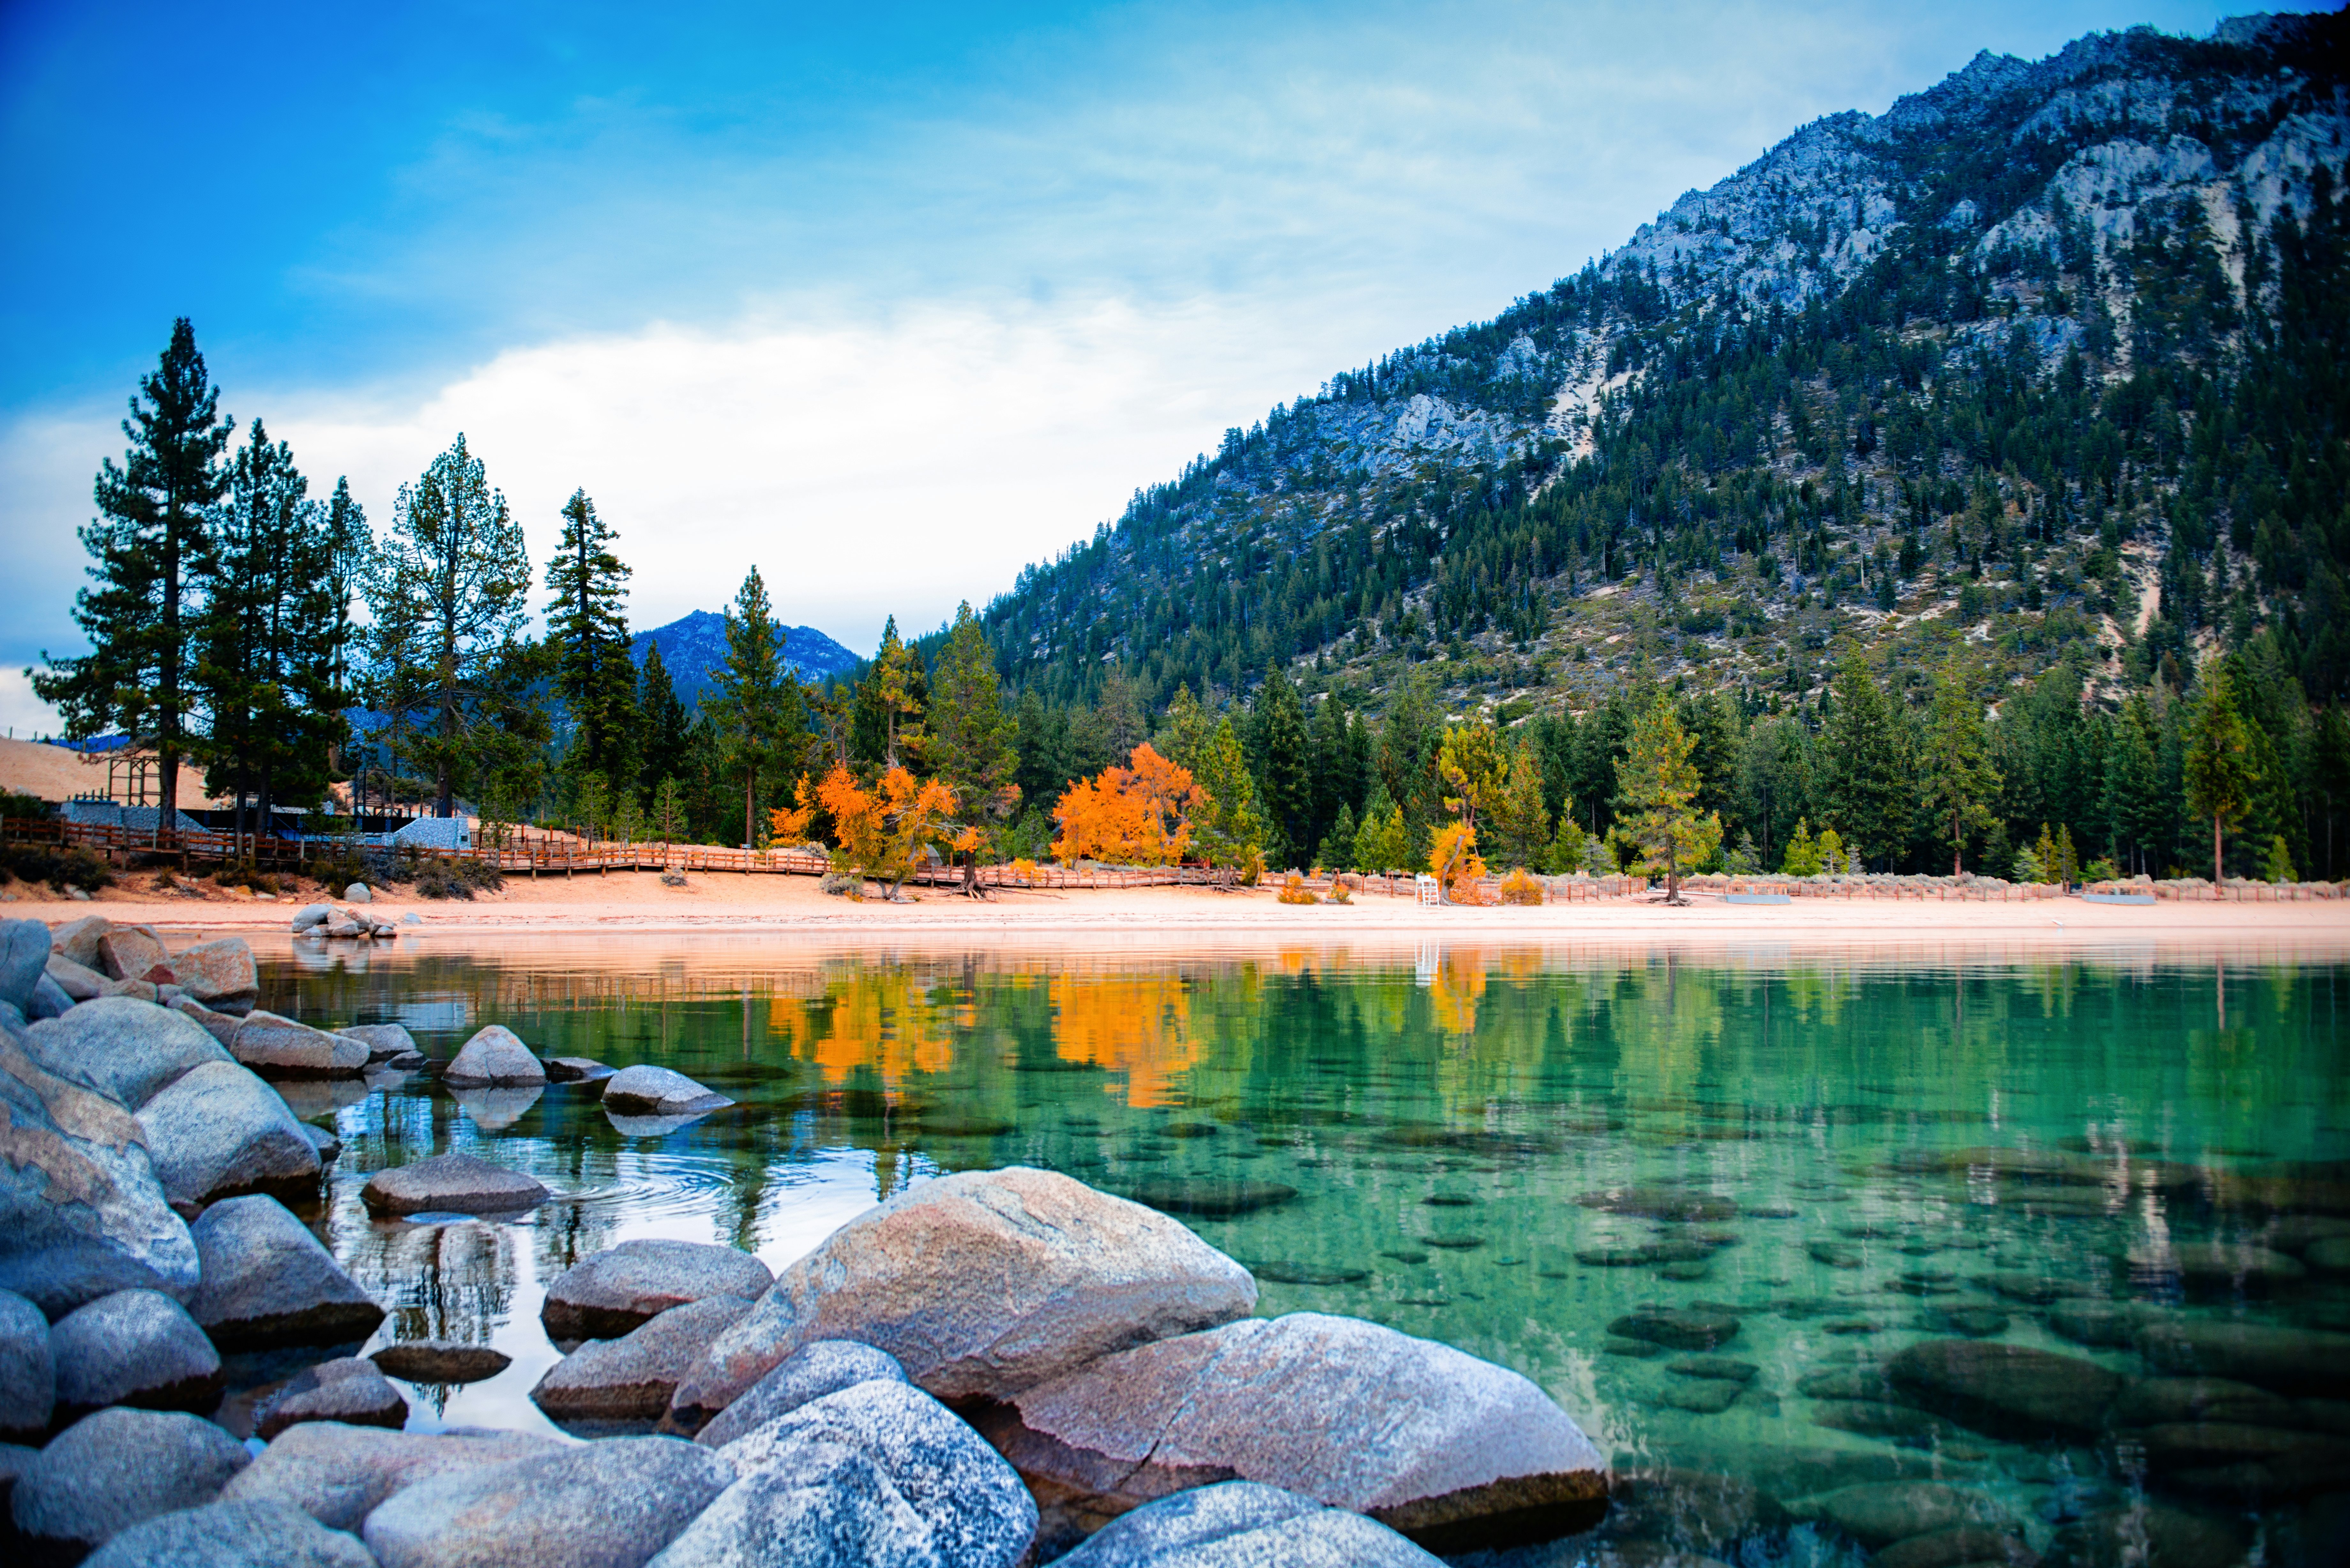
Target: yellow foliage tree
{"type": "Point", "coordinates": [1452, 856]}
{"type": "Point", "coordinates": [1135, 815]}
{"type": "Point", "coordinates": [1475, 770]}
{"type": "Point", "coordinates": [881, 833]}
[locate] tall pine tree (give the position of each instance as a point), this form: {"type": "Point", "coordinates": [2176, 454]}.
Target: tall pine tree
{"type": "Point", "coordinates": [755, 708]}
{"type": "Point", "coordinates": [1957, 781]}
{"type": "Point", "coordinates": [588, 638]}
{"type": "Point", "coordinates": [452, 671]}
{"type": "Point", "coordinates": [971, 734]}
{"type": "Point", "coordinates": [1284, 767]}
{"type": "Point", "coordinates": [1866, 754]}
{"type": "Point", "coordinates": [663, 753]}
{"type": "Point", "coordinates": [150, 540]}
{"type": "Point", "coordinates": [2221, 773]}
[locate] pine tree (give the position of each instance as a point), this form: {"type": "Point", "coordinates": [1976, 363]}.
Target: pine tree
{"type": "Point", "coordinates": [1656, 792]}
{"type": "Point", "coordinates": [755, 708]}
{"type": "Point", "coordinates": [1383, 842]}
{"type": "Point", "coordinates": [890, 703]}
{"type": "Point", "coordinates": [1958, 783]}
{"type": "Point", "coordinates": [1338, 775]}
{"type": "Point", "coordinates": [452, 671]}
{"type": "Point", "coordinates": [1803, 856]}
{"type": "Point", "coordinates": [1338, 851]}
{"type": "Point", "coordinates": [665, 725]}
{"type": "Point", "coordinates": [268, 640]}
{"type": "Point", "coordinates": [588, 638]}
{"type": "Point", "coordinates": [2219, 772]}
{"type": "Point", "coordinates": [149, 542]}
{"type": "Point", "coordinates": [970, 740]}
{"type": "Point", "coordinates": [1865, 753]}
{"type": "Point", "coordinates": [349, 549]}
{"type": "Point", "coordinates": [1229, 832]}
{"type": "Point", "coordinates": [1283, 768]}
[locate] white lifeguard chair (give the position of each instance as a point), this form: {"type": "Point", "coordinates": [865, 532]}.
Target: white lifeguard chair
{"type": "Point", "coordinates": [1430, 890]}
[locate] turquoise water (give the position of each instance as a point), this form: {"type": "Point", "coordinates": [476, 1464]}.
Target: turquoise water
{"type": "Point", "coordinates": [1506, 1149]}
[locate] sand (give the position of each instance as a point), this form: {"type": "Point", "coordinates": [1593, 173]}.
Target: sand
{"type": "Point", "coordinates": [1195, 916]}
{"type": "Point", "coordinates": [54, 772]}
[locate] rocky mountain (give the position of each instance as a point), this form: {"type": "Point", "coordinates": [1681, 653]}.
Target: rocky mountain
{"type": "Point", "coordinates": [2045, 362]}
{"type": "Point", "coordinates": [695, 644]}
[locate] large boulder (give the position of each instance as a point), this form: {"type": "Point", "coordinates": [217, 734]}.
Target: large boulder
{"type": "Point", "coordinates": [1236, 1523]}
{"type": "Point", "coordinates": [814, 1370]}
{"type": "Point", "coordinates": [611, 1504]}
{"type": "Point", "coordinates": [1455, 1452]}
{"type": "Point", "coordinates": [2006, 1390]}
{"type": "Point", "coordinates": [234, 1535]}
{"type": "Point", "coordinates": [493, 1058]}
{"type": "Point", "coordinates": [610, 1383]}
{"type": "Point", "coordinates": [81, 1213]}
{"type": "Point", "coordinates": [346, 1389]}
{"type": "Point", "coordinates": [133, 952]}
{"type": "Point", "coordinates": [28, 1374]}
{"type": "Point", "coordinates": [610, 1293]}
{"type": "Point", "coordinates": [2291, 1360]}
{"type": "Point", "coordinates": [220, 975]}
{"type": "Point", "coordinates": [458, 1183]}
{"type": "Point", "coordinates": [385, 1042]}
{"type": "Point", "coordinates": [981, 1283]}
{"type": "Point", "coordinates": [877, 1473]}
{"type": "Point", "coordinates": [77, 940]}
{"type": "Point", "coordinates": [337, 1474]}
{"type": "Point", "coordinates": [648, 1091]}
{"type": "Point", "coordinates": [77, 980]}
{"type": "Point", "coordinates": [24, 959]}
{"type": "Point", "coordinates": [221, 1026]}
{"type": "Point", "coordinates": [118, 1468]}
{"type": "Point", "coordinates": [220, 1132]}
{"type": "Point", "coordinates": [278, 1047]}
{"type": "Point", "coordinates": [267, 1280]}
{"type": "Point", "coordinates": [134, 1347]}
{"type": "Point", "coordinates": [127, 1050]}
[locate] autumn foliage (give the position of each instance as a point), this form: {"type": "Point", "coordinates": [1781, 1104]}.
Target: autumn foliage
{"type": "Point", "coordinates": [881, 833]}
{"type": "Point", "coordinates": [1452, 856]}
{"type": "Point", "coordinates": [1137, 815]}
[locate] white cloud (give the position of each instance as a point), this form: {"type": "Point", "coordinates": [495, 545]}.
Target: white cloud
{"type": "Point", "coordinates": [23, 715]}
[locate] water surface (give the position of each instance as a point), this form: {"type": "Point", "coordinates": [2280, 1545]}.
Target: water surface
{"type": "Point", "coordinates": [1510, 1150]}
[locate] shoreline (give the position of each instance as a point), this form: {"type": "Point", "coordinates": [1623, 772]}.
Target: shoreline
{"type": "Point", "coordinates": [717, 905]}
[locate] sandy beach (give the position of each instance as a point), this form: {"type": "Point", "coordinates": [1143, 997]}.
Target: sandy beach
{"type": "Point", "coordinates": [1190, 916]}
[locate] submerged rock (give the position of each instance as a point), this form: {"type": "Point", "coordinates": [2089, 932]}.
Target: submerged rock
{"type": "Point", "coordinates": [878, 1472]}
{"type": "Point", "coordinates": [2149, 1534]}
{"type": "Point", "coordinates": [118, 1468]}
{"type": "Point", "coordinates": [337, 1474]}
{"type": "Point", "coordinates": [611, 1504]}
{"type": "Point", "coordinates": [267, 1280]}
{"type": "Point", "coordinates": [1881, 1513]}
{"type": "Point", "coordinates": [1678, 1328]}
{"type": "Point", "coordinates": [441, 1361]}
{"type": "Point", "coordinates": [1455, 1452]}
{"type": "Point", "coordinates": [1662, 1203]}
{"type": "Point", "coordinates": [1211, 1199]}
{"type": "Point", "coordinates": [2006, 1389]}
{"type": "Point", "coordinates": [348, 1390]}
{"type": "Point", "coordinates": [1244, 1522]}
{"type": "Point", "coordinates": [981, 1283]}
{"type": "Point", "coordinates": [2224, 1267]}
{"type": "Point", "coordinates": [234, 1535]}
{"type": "Point", "coordinates": [454, 1183]}
{"type": "Point", "coordinates": [133, 1347]}
{"type": "Point", "coordinates": [2303, 1361]}
{"type": "Point", "coordinates": [2156, 1401]}
{"type": "Point", "coordinates": [613, 1291]}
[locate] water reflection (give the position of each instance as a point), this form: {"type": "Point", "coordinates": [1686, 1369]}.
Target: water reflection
{"type": "Point", "coordinates": [1704, 1202]}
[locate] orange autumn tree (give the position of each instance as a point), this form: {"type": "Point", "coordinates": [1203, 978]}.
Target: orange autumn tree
{"type": "Point", "coordinates": [1135, 815]}
{"type": "Point", "coordinates": [881, 833]}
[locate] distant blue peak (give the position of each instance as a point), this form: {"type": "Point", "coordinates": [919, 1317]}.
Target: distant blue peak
{"type": "Point", "coordinates": [695, 644]}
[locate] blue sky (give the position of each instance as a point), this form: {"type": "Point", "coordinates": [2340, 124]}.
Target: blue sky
{"type": "Point", "coordinates": [886, 300]}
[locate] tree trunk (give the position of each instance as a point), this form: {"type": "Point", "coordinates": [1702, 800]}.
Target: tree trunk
{"type": "Point", "coordinates": [1957, 851]}
{"type": "Point", "coordinates": [750, 792]}
{"type": "Point", "coordinates": [2218, 878]}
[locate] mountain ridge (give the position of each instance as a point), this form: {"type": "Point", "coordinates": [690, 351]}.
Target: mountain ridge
{"type": "Point", "coordinates": [694, 644]}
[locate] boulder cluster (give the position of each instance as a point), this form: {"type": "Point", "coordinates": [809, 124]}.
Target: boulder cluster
{"type": "Point", "coordinates": [990, 1368]}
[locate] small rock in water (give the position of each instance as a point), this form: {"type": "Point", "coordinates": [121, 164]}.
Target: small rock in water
{"type": "Point", "coordinates": [1976, 1545]}
{"type": "Point", "coordinates": [2037, 1290]}
{"type": "Point", "coordinates": [460, 1183]}
{"type": "Point", "coordinates": [1662, 1203]}
{"type": "Point", "coordinates": [385, 1042]}
{"type": "Point", "coordinates": [1701, 1396]}
{"type": "Point", "coordinates": [118, 1468]}
{"type": "Point", "coordinates": [648, 1091]}
{"type": "Point", "coordinates": [1454, 1241]}
{"type": "Point", "coordinates": [1688, 1328]}
{"type": "Point", "coordinates": [2151, 1534]}
{"type": "Point", "coordinates": [1837, 1255]}
{"type": "Point", "coordinates": [2299, 1361]}
{"type": "Point", "coordinates": [441, 1361]}
{"type": "Point", "coordinates": [2227, 1267]}
{"type": "Point", "coordinates": [493, 1058]}
{"type": "Point", "coordinates": [1307, 1274]}
{"type": "Point", "coordinates": [2330, 1256]}
{"type": "Point", "coordinates": [1881, 1513]}
{"type": "Point", "coordinates": [1244, 1522]}
{"type": "Point", "coordinates": [1415, 1257]}
{"type": "Point", "coordinates": [1687, 1273]}
{"type": "Point", "coordinates": [2094, 1321]}
{"type": "Point", "coordinates": [1973, 1323]}
{"type": "Point", "coordinates": [1855, 1384]}
{"type": "Point", "coordinates": [2005, 1389]}
{"type": "Point", "coordinates": [630, 1379]}
{"type": "Point", "coordinates": [278, 1047]}
{"type": "Point", "coordinates": [348, 1390]}
{"type": "Point", "coordinates": [614, 1292]}
{"type": "Point", "coordinates": [1877, 1418]}
{"type": "Point", "coordinates": [1848, 1325]}
{"type": "Point", "coordinates": [1209, 1200]}
{"type": "Point", "coordinates": [133, 1347]}
{"type": "Point", "coordinates": [1642, 1349]}
{"type": "Point", "coordinates": [1450, 1201]}
{"type": "Point", "coordinates": [575, 1070]}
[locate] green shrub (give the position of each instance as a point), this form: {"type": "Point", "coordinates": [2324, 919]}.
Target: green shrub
{"type": "Point", "coordinates": [444, 877]}
{"type": "Point", "coordinates": [60, 868]}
